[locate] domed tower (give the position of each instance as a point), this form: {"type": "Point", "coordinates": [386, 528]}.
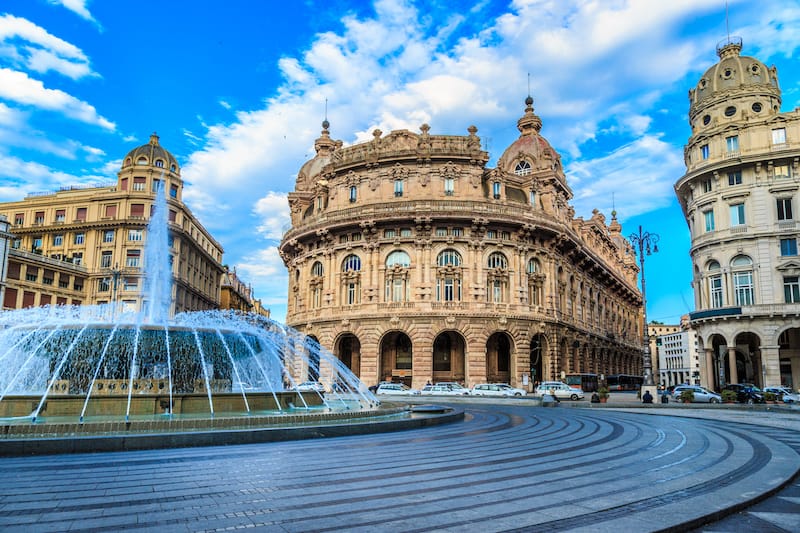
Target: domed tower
{"type": "Point", "coordinates": [147, 165]}
{"type": "Point", "coordinates": [740, 199]}
{"type": "Point", "coordinates": [412, 261]}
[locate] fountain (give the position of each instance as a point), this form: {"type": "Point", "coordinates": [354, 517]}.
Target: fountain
{"type": "Point", "coordinates": [97, 363]}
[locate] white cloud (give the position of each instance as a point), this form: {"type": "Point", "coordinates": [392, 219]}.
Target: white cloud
{"type": "Point", "coordinates": [273, 213]}
{"type": "Point", "coordinates": [265, 267]}
{"type": "Point", "coordinates": [23, 177]}
{"type": "Point", "coordinates": [34, 48]}
{"type": "Point", "coordinates": [18, 87]}
{"type": "Point", "coordinates": [76, 6]}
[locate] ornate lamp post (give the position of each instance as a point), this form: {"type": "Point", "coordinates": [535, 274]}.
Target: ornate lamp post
{"type": "Point", "coordinates": [643, 241]}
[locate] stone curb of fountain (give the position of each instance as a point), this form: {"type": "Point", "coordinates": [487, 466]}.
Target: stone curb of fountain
{"type": "Point", "coordinates": [280, 430]}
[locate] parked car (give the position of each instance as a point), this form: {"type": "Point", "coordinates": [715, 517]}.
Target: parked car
{"type": "Point", "coordinates": [443, 390]}
{"type": "Point", "coordinates": [784, 394]}
{"type": "Point", "coordinates": [701, 394]}
{"type": "Point", "coordinates": [496, 389]}
{"type": "Point", "coordinates": [454, 386]}
{"type": "Point", "coordinates": [746, 393]}
{"type": "Point", "coordinates": [396, 388]}
{"type": "Point", "coordinates": [559, 390]}
{"type": "Point", "coordinates": [310, 386]}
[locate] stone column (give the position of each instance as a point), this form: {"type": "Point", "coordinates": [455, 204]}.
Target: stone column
{"type": "Point", "coordinates": [771, 362]}
{"type": "Point", "coordinates": [708, 378]}
{"type": "Point", "coordinates": [734, 375]}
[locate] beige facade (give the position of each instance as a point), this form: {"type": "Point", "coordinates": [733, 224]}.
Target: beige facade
{"type": "Point", "coordinates": [412, 260]}
{"type": "Point", "coordinates": [85, 245]}
{"type": "Point", "coordinates": [740, 198]}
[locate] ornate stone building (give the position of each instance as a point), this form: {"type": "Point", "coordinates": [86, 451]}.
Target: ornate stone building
{"type": "Point", "coordinates": [411, 260]}
{"type": "Point", "coordinates": [85, 245]}
{"type": "Point", "coordinates": [740, 199]}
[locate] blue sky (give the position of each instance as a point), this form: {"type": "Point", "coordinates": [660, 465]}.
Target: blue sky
{"type": "Point", "coordinates": [236, 90]}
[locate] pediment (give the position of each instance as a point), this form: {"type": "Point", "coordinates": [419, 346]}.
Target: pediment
{"type": "Point", "coordinates": [789, 267]}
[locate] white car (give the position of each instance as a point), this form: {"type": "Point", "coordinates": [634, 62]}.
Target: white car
{"type": "Point", "coordinates": [443, 390]}
{"type": "Point", "coordinates": [396, 388]}
{"type": "Point", "coordinates": [559, 390]}
{"type": "Point", "coordinates": [454, 386]}
{"type": "Point", "coordinates": [784, 394]}
{"type": "Point", "coordinates": [496, 389]}
{"type": "Point", "coordinates": [310, 386]}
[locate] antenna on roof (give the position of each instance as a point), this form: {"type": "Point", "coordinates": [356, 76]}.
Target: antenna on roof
{"type": "Point", "coordinates": [326, 109]}
{"type": "Point", "coordinates": [529, 83]}
{"type": "Point", "coordinates": [727, 24]}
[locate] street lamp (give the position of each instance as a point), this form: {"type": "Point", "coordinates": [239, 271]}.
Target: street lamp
{"type": "Point", "coordinates": [644, 241]}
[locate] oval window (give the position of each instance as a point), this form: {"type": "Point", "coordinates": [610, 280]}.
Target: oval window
{"type": "Point", "coordinates": [730, 111]}
{"type": "Point", "coordinates": [706, 120]}
{"type": "Point", "coordinates": [757, 107]}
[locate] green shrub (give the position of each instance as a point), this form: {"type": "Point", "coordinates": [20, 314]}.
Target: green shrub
{"type": "Point", "coordinates": [687, 396]}
{"type": "Point", "coordinates": [770, 397]}
{"type": "Point", "coordinates": [603, 392]}
{"type": "Point", "coordinates": [728, 396]}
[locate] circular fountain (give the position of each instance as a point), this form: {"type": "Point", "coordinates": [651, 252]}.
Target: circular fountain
{"type": "Point", "coordinates": [74, 370]}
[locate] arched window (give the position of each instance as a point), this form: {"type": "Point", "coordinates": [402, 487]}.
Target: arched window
{"type": "Point", "coordinates": [523, 168]}
{"type": "Point", "coordinates": [742, 272]}
{"type": "Point", "coordinates": [397, 277]}
{"type": "Point", "coordinates": [351, 263]}
{"type": "Point", "coordinates": [496, 188]}
{"type": "Point", "coordinates": [172, 168]}
{"type": "Point", "coordinates": [315, 284]}
{"type": "Point", "coordinates": [448, 258]}
{"type": "Point", "coordinates": [497, 260]}
{"type": "Point", "coordinates": [448, 276]}
{"type": "Point", "coordinates": [715, 292]}
{"type": "Point", "coordinates": [141, 161]}
{"type": "Point", "coordinates": [159, 163]}
{"type": "Point", "coordinates": [398, 258]}
{"type": "Point", "coordinates": [533, 266]}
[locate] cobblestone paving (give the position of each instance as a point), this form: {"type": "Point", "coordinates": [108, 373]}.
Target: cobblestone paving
{"type": "Point", "coordinates": [508, 467]}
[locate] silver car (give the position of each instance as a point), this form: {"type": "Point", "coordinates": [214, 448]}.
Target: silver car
{"type": "Point", "coordinates": [701, 394]}
{"type": "Point", "coordinates": [559, 390]}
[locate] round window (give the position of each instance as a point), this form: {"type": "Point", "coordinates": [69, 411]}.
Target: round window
{"type": "Point", "coordinates": [757, 107]}
{"type": "Point", "coordinates": [730, 111]}
{"type": "Point", "coordinates": [706, 119]}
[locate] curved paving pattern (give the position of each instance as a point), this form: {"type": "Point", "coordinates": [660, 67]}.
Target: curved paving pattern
{"type": "Point", "coordinates": [506, 468]}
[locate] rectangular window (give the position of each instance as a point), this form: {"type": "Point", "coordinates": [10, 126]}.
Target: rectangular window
{"type": "Point", "coordinates": [491, 234]}
{"type": "Point", "coordinates": [737, 215]}
{"type": "Point", "coordinates": [743, 287]}
{"type": "Point", "coordinates": [791, 289]}
{"type": "Point", "coordinates": [173, 215]}
{"type": "Point", "coordinates": [405, 232]}
{"type": "Point", "coordinates": [131, 284]}
{"type": "Point", "coordinates": [58, 240]}
{"type": "Point", "coordinates": [388, 233]}
{"type": "Point", "coordinates": [137, 210]}
{"type": "Point", "coordinates": [61, 215]}
{"type": "Point", "coordinates": [80, 238]}
{"type": "Point", "coordinates": [108, 235]}
{"type": "Point", "coordinates": [457, 232]}
{"type": "Point", "coordinates": [123, 184]}
{"type": "Point", "coordinates": [449, 289]}
{"type": "Point", "coordinates": [441, 232]}
{"type": "Point", "coordinates": [48, 276]}
{"type": "Point", "coordinates": [789, 246]}
{"type": "Point", "coordinates": [351, 293]}
{"type": "Point", "coordinates": [135, 235]}
{"type": "Point", "coordinates": [449, 186]}
{"type": "Point", "coordinates": [80, 214]}
{"type": "Point", "coordinates": [496, 190]}
{"type": "Point", "coordinates": [173, 191]}
{"type": "Point", "coordinates": [353, 193]}
{"type": "Point", "coordinates": [37, 244]}
{"type": "Point", "coordinates": [111, 211]}
{"type": "Point", "coordinates": [139, 184]}
{"type": "Point", "coordinates": [715, 290]}
{"type": "Point", "coordinates": [781, 171]}
{"type": "Point", "coordinates": [103, 285]}
{"type": "Point", "coordinates": [31, 273]}
{"type": "Point", "coordinates": [784, 208]}
{"type": "Point", "coordinates": [132, 258]}
{"type": "Point", "coordinates": [732, 143]}
{"type": "Point", "coordinates": [779, 136]}
{"type": "Point", "coordinates": [704, 151]}
{"type": "Point", "coordinates": [497, 291]}
{"type": "Point", "coordinates": [154, 186]}
{"type": "Point", "coordinates": [38, 217]}
{"type": "Point", "coordinates": [105, 260]}
{"type": "Point", "coordinates": [735, 178]}
{"type": "Point", "coordinates": [19, 219]}
{"type": "Point", "coordinates": [77, 258]}
{"type": "Point", "coordinates": [532, 198]}
{"type": "Point", "coordinates": [708, 185]}
{"type": "Point", "coordinates": [398, 188]}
